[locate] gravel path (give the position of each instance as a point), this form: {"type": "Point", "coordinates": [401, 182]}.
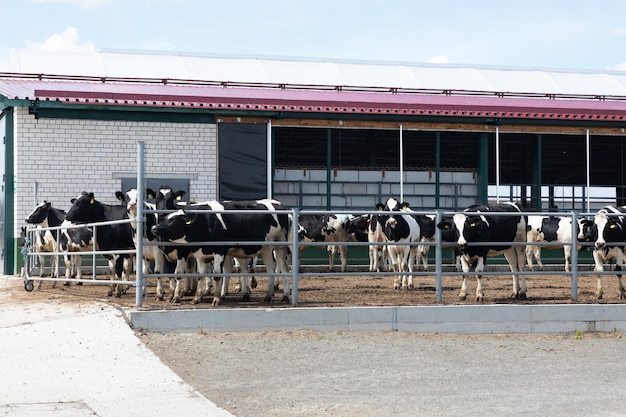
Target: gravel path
{"type": "Point", "coordinates": [364, 374]}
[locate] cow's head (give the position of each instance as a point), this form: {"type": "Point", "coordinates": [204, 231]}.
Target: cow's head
{"type": "Point", "coordinates": [463, 229]}
{"type": "Point", "coordinates": [82, 208]}
{"type": "Point", "coordinates": [165, 197]}
{"type": "Point", "coordinates": [174, 227]}
{"type": "Point", "coordinates": [586, 230]}
{"type": "Point", "coordinates": [130, 200]}
{"type": "Point", "coordinates": [39, 214]}
{"type": "Point", "coordinates": [608, 229]}
{"type": "Point", "coordinates": [357, 227]}
{"type": "Point", "coordinates": [449, 232]}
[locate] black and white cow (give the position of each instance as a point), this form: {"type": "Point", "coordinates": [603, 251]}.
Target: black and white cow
{"type": "Point", "coordinates": [151, 253]}
{"type": "Point", "coordinates": [72, 240]}
{"type": "Point", "coordinates": [86, 209]}
{"type": "Point", "coordinates": [555, 230]}
{"type": "Point", "coordinates": [187, 226]}
{"type": "Point", "coordinates": [401, 230]}
{"type": "Point", "coordinates": [609, 231]}
{"type": "Point", "coordinates": [177, 258]}
{"type": "Point", "coordinates": [427, 235]}
{"type": "Point", "coordinates": [43, 216]}
{"type": "Point", "coordinates": [498, 232]}
{"type": "Point", "coordinates": [328, 228]}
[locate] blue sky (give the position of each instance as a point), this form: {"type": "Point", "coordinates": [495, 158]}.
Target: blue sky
{"type": "Point", "coordinates": [560, 34]}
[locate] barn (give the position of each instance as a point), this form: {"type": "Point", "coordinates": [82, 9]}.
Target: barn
{"type": "Point", "coordinates": [312, 133]}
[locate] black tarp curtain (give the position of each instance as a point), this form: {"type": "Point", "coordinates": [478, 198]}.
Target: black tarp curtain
{"type": "Point", "coordinates": [242, 151]}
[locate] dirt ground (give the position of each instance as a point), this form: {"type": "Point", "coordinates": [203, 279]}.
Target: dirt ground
{"type": "Point", "coordinates": [354, 290]}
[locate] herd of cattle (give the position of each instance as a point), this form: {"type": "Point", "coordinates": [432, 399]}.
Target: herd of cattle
{"type": "Point", "coordinates": [215, 237]}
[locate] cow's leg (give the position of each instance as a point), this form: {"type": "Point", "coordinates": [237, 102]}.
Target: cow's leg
{"type": "Point", "coordinates": [465, 267]}
{"type": "Point", "coordinates": [619, 261]}
{"type": "Point", "coordinates": [373, 255]}
{"type": "Point", "coordinates": [181, 268]}
{"type": "Point", "coordinates": [530, 253]}
{"type": "Point", "coordinates": [395, 265]}
{"type": "Point", "coordinates": [599, 267]}
{"type": "Point", "coordinates": [567, 252]}
{"type": "Point", "coordinates": [343, 255]}
{"type": "Point", "coordinates": [480, 267]}
{"type": "Point", "coordinates": [219, 264]}
{"type": "Point", "coordinates": [537, 254]}
{"type": "Point", "coordinates": [515, 259]}
{"type": "Point", "coordinates": [331, 249]}
{"type": "Point", "coordinates": [410, 264]}
{"type": "Point", "coordinates": [275, 260]}
{"type": "Point", "coordinates": [245, 271]}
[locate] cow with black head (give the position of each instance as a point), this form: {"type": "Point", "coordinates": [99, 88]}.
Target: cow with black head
{"type": "Point", "coordinates": [86, 209]}
{"type": "Point", "coordinates": [479, 236]}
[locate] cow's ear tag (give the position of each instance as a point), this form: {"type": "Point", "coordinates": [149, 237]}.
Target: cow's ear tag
{"type": "Point", "coordinates": [472, 224]}
{"type": "Point", "coordinates": [188, 221]}
{"type": "Point", "coordinates": [613, 226]}
{"type": "Point", "coordinates": [179, 197]}
{"type": "Point", "coordinates": [91, 201]}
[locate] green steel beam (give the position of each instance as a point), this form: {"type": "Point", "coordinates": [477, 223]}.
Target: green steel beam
{"type": "Point", "coordinates": [10, 243]}
{"type": "Point", "coordinates": [483, 168]}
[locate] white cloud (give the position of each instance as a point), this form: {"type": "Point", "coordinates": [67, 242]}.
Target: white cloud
{"type": "Point", "coordinates": [619, 67]}
{"type": "Point", "coordinates": [438, 60]}
{"type": "Point", "coordinates": [68, 41]}
{"type": "Point", "coordinates": [618, 31]}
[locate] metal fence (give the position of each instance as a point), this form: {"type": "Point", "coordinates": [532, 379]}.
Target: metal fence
{"type": "Point", "coordinates": [440, 267]}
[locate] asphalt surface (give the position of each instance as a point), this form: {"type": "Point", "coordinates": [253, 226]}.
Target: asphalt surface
{"type": "Point", "coordinates": [76, 360]}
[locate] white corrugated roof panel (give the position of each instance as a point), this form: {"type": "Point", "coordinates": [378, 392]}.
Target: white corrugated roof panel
{"type": "Point", "coordinates": [56, 63]}
{"type": "Point", "coordinates": [449, 78]}
{"type": "Point", "coordinates": [225, 69]}
{"type": "Point", "coordinates": [372, 75]}
{"type": "Point", "coordinates": [302, 72]}
{"type": "Point", "coordinates": [317, 72]}
{"type": "Point", "coordinates": [519, 81]}
{"type": "Point", "coordinates": [144, 66]}
{"type": "Point", "coordinates": [587, 84]}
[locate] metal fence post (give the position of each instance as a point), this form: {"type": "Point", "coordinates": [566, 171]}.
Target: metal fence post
{"type": "Point", "coordinates": [438, 260]}
{"type": "Point", "coordinates": [140, 224]}
{"type": "Point", "coordinates": [295, 259]}
{"type": "Point", "coordinates": [574, 258]}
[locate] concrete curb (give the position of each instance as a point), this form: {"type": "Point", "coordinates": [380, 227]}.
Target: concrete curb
{"type": "Point", "coordinates": [429, 319]}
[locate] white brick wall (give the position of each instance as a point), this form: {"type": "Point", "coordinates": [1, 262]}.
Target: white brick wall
{"type": "Point", "coordinates": [67, 157]}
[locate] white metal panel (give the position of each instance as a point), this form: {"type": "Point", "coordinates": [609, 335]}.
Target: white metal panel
{"type": "Point", "coordinates": [302, 72]}
{"type": "Point", "coordinates": [621, 79]}
{"type": "Point", "coordinates": [311, 72]}
{"type": "Point", "coordinates": [57, 63]}
{"type": "Point", "coordinates": [520, 81]}
{"type": "Point", "coordinates": [371, 75]}
{"type": "Point", "coordinates": [143, 65]}
{"type": "Point", "coordinates": [449, 78]}
{"type": "Point", "coordinates": [592, 84]}
{"type": "Point", "coordinates": [225, 69]}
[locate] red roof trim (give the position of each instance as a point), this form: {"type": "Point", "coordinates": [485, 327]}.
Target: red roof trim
{"type": "Point", "coordinates": [309, 100]}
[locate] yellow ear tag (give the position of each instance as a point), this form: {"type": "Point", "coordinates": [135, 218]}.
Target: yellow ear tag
{"type": "Point", "coordinates": [188, 222]}
{"type": "Point", "coordinates": [178, 197]}
{"type": "Point", "coordinates": [472, 224]}
{"type": "Point", "coordinates": [91, 201]}
{"type": "Point", "coordinates": [613, 226]}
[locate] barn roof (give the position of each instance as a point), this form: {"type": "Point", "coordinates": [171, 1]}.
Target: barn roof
{"type": "Point", "coordinates": [308, 86]}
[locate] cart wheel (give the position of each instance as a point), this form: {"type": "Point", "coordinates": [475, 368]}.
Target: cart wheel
{"type": "Point", "coordinates": [28, 285]}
